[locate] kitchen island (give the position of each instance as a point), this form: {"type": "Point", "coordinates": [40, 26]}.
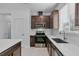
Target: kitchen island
{"type": "Point", "coordinates": [10, 47]}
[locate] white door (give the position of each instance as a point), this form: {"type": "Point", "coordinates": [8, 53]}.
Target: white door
{"type": "Point", "coordinates": [5, 30]}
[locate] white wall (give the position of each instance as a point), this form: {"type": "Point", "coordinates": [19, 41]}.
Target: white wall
{"type": "Point", "coordinates": [67, 15]}
{"type": "Point", "coordinates": [20, 22]}
{"type": "Point", "coordinates": [21, 26]}
{"type": "Point", "coordinates": [72, 17]}
{"type": "Point", "coordinates": [64, 20]}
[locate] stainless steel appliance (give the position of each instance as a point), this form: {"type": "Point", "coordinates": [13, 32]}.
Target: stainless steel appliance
{"type": "Point", "coordinates": [40, 40]}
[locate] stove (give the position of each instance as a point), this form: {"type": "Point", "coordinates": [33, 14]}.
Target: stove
{"type": "Point", "coordinates": [40, 37]}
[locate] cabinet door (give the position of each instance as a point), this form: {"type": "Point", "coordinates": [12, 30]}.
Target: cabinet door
{"type": "Point", "coordinates": [47, 21]}
{"type": "Point", "coordinates": [77, 14]}
{"type": "Point", "coordinates": [37, 20]}
{"type": "Point", "coordinates": [33, 20]}
{"type": "Point", "coordinates": [55, 51]}
{"type": "Point", "coordinates": [51, 21]}
{"type": "Point", "coordinates": [49, 48]}
{"type": "Point", "coordinates": [54, 19]}
{"type": "Point", "coordinates": [32, 41]}
{"type": "Point", "coordinates": [40, 20]}
{"type": "Point", "coordinates": [47, 44]}
{"type": "Point", "coordinates": [16, 52]}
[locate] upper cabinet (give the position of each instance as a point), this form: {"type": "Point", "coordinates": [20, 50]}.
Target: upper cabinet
{"type": "Point", "coordinates": [74, 16]}
{"type": "Point", "coordinates": [77, 14]}
{"type": "Point", "coordinates": [40, 21]}
{"type": "Point", "coordinates": [48, 22]}
{"type": "Point", "coordinates": [54, 19]}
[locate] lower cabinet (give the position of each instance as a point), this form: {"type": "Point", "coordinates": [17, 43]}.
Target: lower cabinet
{"type": "Point", "coordinates": [52, 50]}
{"type": "Point", "coordinates": [55, 51]}
{"type": "Point", "coordinates": [14, 50]}
{"type": "Point", "coordinates": [17, 52]}
{"type": "Point", "coordinates": [49, 47]}
{"type": "Point", "coordinates": [32, 41]}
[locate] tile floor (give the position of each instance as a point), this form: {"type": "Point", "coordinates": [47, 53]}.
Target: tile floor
{"type": "Point", "coordinates": [34, 51]}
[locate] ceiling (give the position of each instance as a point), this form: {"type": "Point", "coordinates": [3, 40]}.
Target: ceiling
{"type": "Point", "coordinates": [34, 7]}
{"type": "Point", "coordinates": [45, 7]}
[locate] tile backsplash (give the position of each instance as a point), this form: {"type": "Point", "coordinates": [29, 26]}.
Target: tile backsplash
{"type": "Point", "coordinates": [48, 31]}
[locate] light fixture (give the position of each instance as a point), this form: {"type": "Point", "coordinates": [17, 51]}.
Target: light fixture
{"type": "Point", "coordinates": [40, 13]}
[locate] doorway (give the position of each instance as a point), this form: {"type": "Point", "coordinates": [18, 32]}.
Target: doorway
{"type": "Point", "coordinates": [5, 25]}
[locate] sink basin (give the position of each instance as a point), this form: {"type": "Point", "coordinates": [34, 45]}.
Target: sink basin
{"type": "Point", "coordinates": [58, 40]}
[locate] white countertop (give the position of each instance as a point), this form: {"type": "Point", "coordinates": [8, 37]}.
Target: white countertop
{"type": "Point", "coordinates": [7, 43]}
{"type": "Point", "coordinates": [67, 49]}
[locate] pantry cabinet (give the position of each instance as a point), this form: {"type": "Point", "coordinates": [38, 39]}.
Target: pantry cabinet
{"type": "Point", "coordinates": [77, 14]}
{"type": "Point", "coordinates": [54, 19]}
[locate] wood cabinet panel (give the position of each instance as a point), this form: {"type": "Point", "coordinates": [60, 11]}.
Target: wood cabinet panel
{"type": "Point", "coordinates": [52, 49]}
{"type": "Point", "coordinates": [47, 21]}
{"type": "Point", "coordinates": [51, 21]}
{"type": "Point", "coordinates": [77, 14]}
{"type": "Point", "coordinates": [40, 20]}
{"type": "Point", "coordinates": [10, 51]}
{"type": "Point", "coordinates": [49, 47]}
{"type": "Point", "coordinates": [32, 41]}
{"type": "Point", "coordinates": [54, 19]}
{"type": "Point", "coordinates": [33, 22]}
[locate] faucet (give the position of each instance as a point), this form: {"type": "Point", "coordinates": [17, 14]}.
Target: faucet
{"type": "Point", "coordinates": [64, 35]}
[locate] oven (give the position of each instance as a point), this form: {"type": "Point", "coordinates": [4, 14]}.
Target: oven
{"type": "Point", "coordinates": [40, 39]}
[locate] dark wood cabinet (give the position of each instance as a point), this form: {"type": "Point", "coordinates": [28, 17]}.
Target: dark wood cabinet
{"type": "Point", "coordinates": [40, 20]}
{"type": "Point", "coordinates": [52, 49]}
{"type": "Point", "coordinates": [14, 50]}
{"type": "Point", "coordinates": [54, 19]}
{"type": "Point", "coordinates": [47, 21]}
{"type": "Point", "coordinates": [49, 47]}
{"type": "Point", "coordinates": [33, 21]}
{"type": "Point", "coordinates": [77, 14]}
{"type": "Point", "coordinates": [51, 21]}
{"type": "Point", "coordinates": [32, 41]}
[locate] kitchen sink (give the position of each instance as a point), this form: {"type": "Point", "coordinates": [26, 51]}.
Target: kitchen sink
{"type": "Point", "coordinates": [58, 40]}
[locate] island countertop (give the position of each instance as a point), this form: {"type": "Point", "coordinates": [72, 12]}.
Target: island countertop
{"type": "Point", "coordinates": [7, 43]}
{"type": "Point", "coordinates": [67, 49]}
